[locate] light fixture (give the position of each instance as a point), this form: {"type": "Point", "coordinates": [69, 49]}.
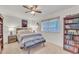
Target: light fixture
{"type": "Point", "coordinates": [32, 12]}
{"type": "Point", "coordinates": [11, 29]}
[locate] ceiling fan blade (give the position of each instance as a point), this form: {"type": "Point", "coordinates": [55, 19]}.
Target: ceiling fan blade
{"type": "Point", "coordinates": [35, 6]}
{"type": "Point", "coordinates": [26, 7]}
{"type": "Point", "coordinates": [27, 11]}
{"type": "Point", "coordinates": [38, 11]}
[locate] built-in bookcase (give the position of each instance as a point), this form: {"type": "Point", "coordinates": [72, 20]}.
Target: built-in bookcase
{"type": "Point", "coordinates": [1, 34]}
{"type": "Point", "coordinates": [71, 33]}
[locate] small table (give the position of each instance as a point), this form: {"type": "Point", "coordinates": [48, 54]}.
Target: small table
{"type": "Point", "coordinates": [12, 38]}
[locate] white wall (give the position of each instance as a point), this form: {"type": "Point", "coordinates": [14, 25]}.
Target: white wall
{"type": "Point", "coordinates": [57, 38]}
{"type": "Point", "coordinates": [10, 21]}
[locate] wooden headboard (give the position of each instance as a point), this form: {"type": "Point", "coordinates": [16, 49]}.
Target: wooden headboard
{"type": "Point", "coordinates": [24, 28]}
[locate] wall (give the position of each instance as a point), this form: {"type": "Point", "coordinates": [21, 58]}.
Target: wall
{"type": "Point", "coordinates": [57, 38]}
{"type": "Point", "coordinates": [10, 21]}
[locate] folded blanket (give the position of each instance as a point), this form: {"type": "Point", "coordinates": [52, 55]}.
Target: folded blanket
{"type": "Point", "coordinates": [33, 42]}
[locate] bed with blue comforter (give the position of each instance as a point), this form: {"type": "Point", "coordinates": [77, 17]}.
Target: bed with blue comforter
{"type": "Point", "coordinates": [31, 39]}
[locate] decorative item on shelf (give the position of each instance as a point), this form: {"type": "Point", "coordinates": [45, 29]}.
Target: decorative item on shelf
{"type": "Point", "coordinates": [67, 27]}
{"type": "Point", "coordinates": [69, 37]}
{"type": "Point", "coordinates": [69, 21]}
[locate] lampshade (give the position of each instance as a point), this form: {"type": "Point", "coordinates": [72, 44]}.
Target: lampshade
{"type": "Point", "coordinates": [11, 28]}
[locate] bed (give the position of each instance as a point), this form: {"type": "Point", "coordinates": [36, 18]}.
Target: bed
{"type": "Point", "coordinates": [28, 39]}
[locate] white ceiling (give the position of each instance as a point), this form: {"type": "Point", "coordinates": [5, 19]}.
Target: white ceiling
{"type": "Point", "coordinates": [19, 11]}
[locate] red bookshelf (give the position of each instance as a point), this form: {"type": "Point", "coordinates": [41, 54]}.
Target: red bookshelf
{"type": "Point", "coordinates": [1, 34]}
{"type": "Point", "coordinates": [71, 33]}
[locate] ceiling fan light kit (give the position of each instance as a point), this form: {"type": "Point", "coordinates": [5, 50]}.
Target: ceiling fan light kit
{"type": "Point", "coordinates": [32, 12]}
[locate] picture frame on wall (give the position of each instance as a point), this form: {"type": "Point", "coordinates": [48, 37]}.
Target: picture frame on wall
{"type": "Point", "coordinates": [24, 23]}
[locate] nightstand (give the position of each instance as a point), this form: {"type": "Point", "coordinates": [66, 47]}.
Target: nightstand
{"type": "Point", "coordinates": [12, 38]}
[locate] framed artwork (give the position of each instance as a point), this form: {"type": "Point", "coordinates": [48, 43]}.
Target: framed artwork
{"type": "Point", "coordinates": [24, 23]}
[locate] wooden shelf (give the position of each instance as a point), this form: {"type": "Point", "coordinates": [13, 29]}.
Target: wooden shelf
{"type": "Point", "coordinates": [1, 34]}
{"type": "Point", "coordinates": [71, 29]}
{"type": "Point", "coordinates": [72, 34]}
{"type": "Point", "coordinates": [70, 51]}
{"type": "Point", "coordinates": [70, 23]}
{"type": "Point", "coordinates": [72, 40]}
{"type": "Point", "coordinates": [73, 46]}
{"type": "Point", "coordinates": [72, 37]}
{"type": "Point", "coordinates": [70, 18]}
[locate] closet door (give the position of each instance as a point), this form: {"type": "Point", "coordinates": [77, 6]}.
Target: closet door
{"type": "Point", "coordinates": [1, 34]}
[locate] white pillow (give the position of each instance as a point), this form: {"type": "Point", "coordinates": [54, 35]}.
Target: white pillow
{"type": "Point", "coordinates": [24, 31]}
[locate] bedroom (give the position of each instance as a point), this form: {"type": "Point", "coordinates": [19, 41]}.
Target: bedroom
{"type": "Point", "coordinates": [12, 19]}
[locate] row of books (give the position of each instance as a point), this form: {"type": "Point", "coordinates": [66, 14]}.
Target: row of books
{"type": "Point", "coordinates": [72, 26]}
{"type": "Point", "coordinates": [72, 21]}
{"type": "Point", "coordinates": [69, 42]}
{"type": "Point", "coordinates": [72, 43]}
{"type": "Point", "coordinates": [71, 48]}
{"type": "Point", "coordinates": [73, 32]}
{"type": "Point", "coordinates": [76, 38]}
{"type": "Point", "coordinates": [71, 37]}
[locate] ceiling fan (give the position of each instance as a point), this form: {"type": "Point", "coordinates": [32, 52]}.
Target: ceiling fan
{"type": "Point", "coordinates": [32, 9]}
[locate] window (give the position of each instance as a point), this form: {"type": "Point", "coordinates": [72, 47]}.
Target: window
{"type": "Point", "coordinates": [51, 25]}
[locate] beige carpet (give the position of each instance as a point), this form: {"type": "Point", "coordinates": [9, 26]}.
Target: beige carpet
{"type": "Point", "coordinates": [49, 48]}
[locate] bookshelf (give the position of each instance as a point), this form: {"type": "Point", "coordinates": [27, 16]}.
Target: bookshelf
{"type": "Point", "coordinates": [71, 33]}
{"type": "Point", "coordinates": [1, 34]}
